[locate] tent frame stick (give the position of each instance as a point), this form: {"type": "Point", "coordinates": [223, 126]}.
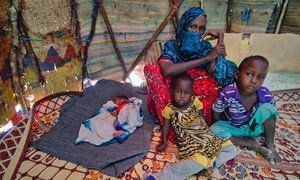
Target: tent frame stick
{"type": "Point", "coordinates": [278, 26]}
{"type": "Point", "coordinates": [112, 36]}
{"type": "Point", "coordinates": [89, 40]}
{"type": "Point", "coordinates": [228, 16]}
{"type": "Point", "coordinates": [175, 16]}
{"type": "Point", "coordinates": [153, 38]}
{"type": "Point", "coordinates": [28, 46]}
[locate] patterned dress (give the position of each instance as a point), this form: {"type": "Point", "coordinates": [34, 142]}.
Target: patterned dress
{"type": "Point", "coordinates": [205, 87]}
{"type": "Point", "coordinates": [194, 138]}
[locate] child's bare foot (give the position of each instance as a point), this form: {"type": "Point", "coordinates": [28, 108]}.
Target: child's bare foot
{"type": "Point", "coordinates": [274, 156]}
{"type": "Point", "coordinates": [255, 146]}
{"type": "Point", "coordinates": [252, 144]}
{"type": "Point", "coordinates": [268, 152]}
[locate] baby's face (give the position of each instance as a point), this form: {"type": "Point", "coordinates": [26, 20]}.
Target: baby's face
{"type": "Point", "coordinates": [118, 101]}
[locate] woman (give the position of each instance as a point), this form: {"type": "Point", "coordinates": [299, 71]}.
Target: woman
{"type": "Point", "coordinates": [190, 52]}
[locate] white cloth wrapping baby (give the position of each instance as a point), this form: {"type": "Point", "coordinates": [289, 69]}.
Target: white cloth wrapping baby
{"type": "Point", "coordinates": [100, 128]}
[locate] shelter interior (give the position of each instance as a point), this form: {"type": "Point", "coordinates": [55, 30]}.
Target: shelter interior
{"type": "Point", "coordinates": [59, 46]}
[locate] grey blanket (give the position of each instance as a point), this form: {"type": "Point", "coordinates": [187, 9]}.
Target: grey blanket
{"type": "Point", "coordinates": [113, 159]}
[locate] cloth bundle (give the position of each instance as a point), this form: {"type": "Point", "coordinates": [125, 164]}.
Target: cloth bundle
{"type": "Point", "coordinates": [100, 129]}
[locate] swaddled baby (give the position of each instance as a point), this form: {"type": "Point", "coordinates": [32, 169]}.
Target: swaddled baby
{"type": "Point", "coordinates": [116, 120]}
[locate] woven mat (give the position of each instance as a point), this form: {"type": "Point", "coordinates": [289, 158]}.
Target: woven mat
{"type": "Point", "coordinates": [247, 164]}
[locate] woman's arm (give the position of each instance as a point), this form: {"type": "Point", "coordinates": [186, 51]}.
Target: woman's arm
{"type": "Point", "coordinates": [170, 69]}
{"type": "Point", "coordinates": [214, 34]}
{"type": "Point", "coordinates": [210, 66]}
{"type": "Point", "coordinates": [165, 133]}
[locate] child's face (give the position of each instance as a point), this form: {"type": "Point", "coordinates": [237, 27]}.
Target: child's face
{"type": "Point", "coordinates": [251, 77]}
{"type": "Point", "coordinates": [182, 93]}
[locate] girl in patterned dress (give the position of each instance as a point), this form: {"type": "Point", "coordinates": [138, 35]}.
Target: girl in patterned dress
{"type": "Point", "coordinates": [198, 148]}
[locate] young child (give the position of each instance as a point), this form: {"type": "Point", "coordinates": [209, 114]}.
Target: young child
{"type": "Point", "coordinates": [116, 119]}
{"type": "Point", "coordinates": [198, 148]}
{"type": "Point", "coordinates": [245, 109]}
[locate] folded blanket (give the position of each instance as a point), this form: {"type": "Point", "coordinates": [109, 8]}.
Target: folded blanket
{"type": "Point", "coordinates": [113, 159]}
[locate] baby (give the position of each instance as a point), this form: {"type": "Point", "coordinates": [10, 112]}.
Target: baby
{"type": "Point", "coordinates": [117, 119]}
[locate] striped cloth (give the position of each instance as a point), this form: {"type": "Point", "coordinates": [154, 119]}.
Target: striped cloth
{"type": "Point", "coordinates": [229, 102]}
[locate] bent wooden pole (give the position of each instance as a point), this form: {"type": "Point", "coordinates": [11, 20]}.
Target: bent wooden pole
{"type": "Point", "coordinates": [175, 16]}
{"type": "Point", "coordinates": [29, 49]}
{"type": "Point", "coordinates": [153, 38]}
{"type": "Point", "coordinates": [112, 36]}
{"type": "Point", "coordinates": [74, 15]}
{"type": "Point", "coordinates": [228, 16]}
{"type": "Point", "coordinates": [16, 79]}
{"type": "Point", "coordinates": [282, 14]}
{"type": "Point", "coordinates": [89, 40]}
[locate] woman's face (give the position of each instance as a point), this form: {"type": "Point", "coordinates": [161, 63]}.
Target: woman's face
{"type": "Point", "coordinates": [198, 25]}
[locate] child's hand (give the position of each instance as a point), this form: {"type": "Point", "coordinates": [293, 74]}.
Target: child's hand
{"type": "Point", "coordinates": [118, 133]}
{"type": "Point", "coordinates": [161, 147]}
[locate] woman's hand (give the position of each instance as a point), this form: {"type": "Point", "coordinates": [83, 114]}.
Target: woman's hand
{"type": "Point", "coordinates": [214, 34]}
{"type": "Point", "coordinates": [161, 147]}
{"type": "Point", "coordinates": [220, 47]}
{"type": "Point", "coordinates": [217, 50]}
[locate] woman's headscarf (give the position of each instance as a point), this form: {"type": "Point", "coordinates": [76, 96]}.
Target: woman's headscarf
{"type": "Point", "coordinates": [188, 46]}
{"type": "Point", "coordinates": [187, 17]}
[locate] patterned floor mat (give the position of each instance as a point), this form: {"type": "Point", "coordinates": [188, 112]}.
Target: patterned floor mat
{"type": "Point", "coordinates": [247, 165]}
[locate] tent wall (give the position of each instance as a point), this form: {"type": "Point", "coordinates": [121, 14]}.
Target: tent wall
{"type": "Point", "coordinates": [280, 49]}
{"type": "Point", "coordinates": [50, 28]}
{"type": "Point", "coordinates": [291, 21]}
{"type": "Point", "coordinates": [251, 15]}
{"type": "Point", "coordinates": [7, 98]}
